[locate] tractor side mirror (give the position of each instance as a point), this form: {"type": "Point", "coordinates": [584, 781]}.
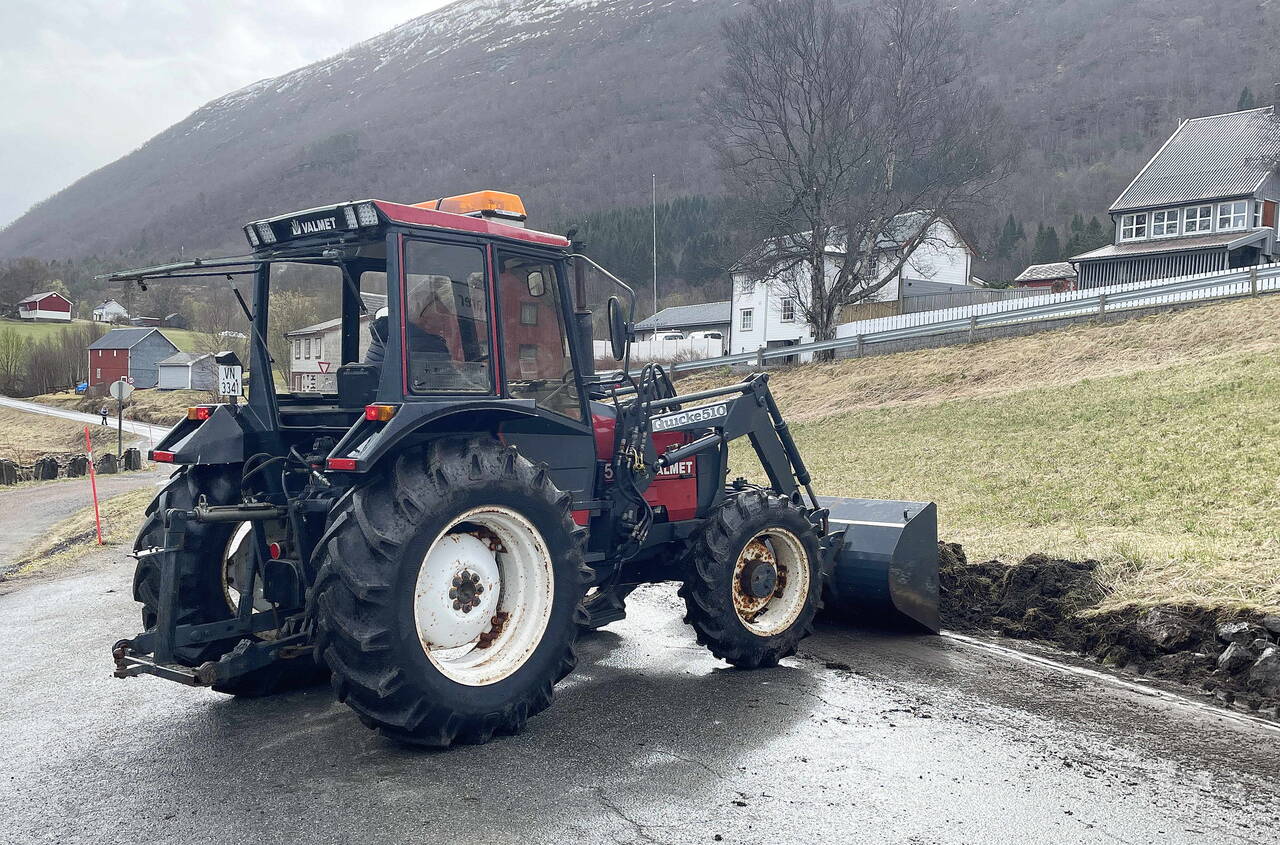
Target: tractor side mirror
{"type": "Point", "coordinates": [619, 331]}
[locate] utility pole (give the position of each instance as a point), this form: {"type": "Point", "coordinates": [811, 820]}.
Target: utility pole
{"type": "Point", "coordinates": [655, 243]}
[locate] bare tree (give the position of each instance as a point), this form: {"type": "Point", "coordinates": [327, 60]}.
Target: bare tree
{"type": "Point", "coordinates": [13, 361]}
{"type": "Point", "coordinates": [844, 136]}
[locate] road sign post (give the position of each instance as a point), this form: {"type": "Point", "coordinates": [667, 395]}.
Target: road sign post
{"type": "Point", "coordinates": [120, 390]}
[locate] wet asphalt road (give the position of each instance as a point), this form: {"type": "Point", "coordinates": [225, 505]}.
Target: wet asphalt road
{"type": "Point", "coordinates": [919, 739]}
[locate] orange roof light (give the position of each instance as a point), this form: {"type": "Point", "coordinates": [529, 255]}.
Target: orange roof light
{"type": "Point", "coordinates": [495, 203]}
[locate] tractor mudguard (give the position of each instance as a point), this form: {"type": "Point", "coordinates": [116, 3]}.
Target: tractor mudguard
{"type": "Point", "coordinates": [886, 566]}
{"type": "Point", "coordinates": [217, 440]}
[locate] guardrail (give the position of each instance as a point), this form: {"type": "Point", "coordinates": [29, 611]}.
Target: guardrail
{"type": "Point", "coordinates": [1247, 281]}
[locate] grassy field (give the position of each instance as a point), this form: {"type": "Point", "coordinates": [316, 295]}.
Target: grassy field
{"type": "Point", "coordinates": [161, 407]}
{"type": "Point", "coordinates": [33, 332]}
{"type": "Point", "coordinates": [25, 437]}
{"type": "Point", "coordinates": [184, 339]}
{"type": "Point", "coordinates": [1148, 445]}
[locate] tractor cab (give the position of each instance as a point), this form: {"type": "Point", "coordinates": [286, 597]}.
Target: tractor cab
{"type": "Point", "coordinates": [373, 322]}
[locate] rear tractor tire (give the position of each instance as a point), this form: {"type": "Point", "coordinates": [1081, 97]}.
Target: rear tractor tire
{"type": "Point", "coordinates": [450, 594]}
{"type": "Point", "coordinates": [208, 561]}
{"type": "Point", "coordinates": [755, 580]}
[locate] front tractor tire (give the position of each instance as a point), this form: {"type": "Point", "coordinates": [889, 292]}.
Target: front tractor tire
{"type": "Point", "coordinates": [755, 580]}
{"type": "Point", "coordinates": [450, 594]}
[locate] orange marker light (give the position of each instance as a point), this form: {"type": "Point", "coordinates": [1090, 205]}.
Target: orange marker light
{"type": "Point", "coordinates": [200, 412]}
{"type": "Point", "coordinates": [379, 413]}
{"type": "Point", "coordinates": [508, 205]}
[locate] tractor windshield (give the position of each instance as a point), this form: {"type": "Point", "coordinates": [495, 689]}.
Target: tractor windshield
{"type": "Point", "coordinates": [305, 327]}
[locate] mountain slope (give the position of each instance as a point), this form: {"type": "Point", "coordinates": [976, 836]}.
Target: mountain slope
{"type": "Point", "coordinates": [573, 103]}
{"type": "Point", "coordinates": [528, 95]}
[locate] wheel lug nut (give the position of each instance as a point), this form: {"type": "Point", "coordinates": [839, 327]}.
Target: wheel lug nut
{"type": "Point", "coordinates": [479, 589]}
{"type": "Point", "coordinates": [457, 605]}
{"type": "Point", "coordinates": [457, 581]}
{"type": "Point", "coordinates": [453, 594]}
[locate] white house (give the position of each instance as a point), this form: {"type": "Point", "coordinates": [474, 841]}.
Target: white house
{"type": "Point", "coordinates": [766, 314]}
{"type": "Point", "coordinates": [110, 311]}
{"type": "Point", "coordinates": [315, 352]}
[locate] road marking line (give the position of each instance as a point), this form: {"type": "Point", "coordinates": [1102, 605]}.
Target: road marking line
{"type": "Point", "coordinates": [1093, 674]}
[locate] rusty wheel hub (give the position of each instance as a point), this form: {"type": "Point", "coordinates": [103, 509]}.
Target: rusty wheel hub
{"type": "Point", "coordinates": [466, 591]}
{"type": "Point", "coordinates": [756, 579]}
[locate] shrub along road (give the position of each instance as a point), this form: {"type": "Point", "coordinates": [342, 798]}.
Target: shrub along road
{"type": "Point", "coordinates": [864, 737]}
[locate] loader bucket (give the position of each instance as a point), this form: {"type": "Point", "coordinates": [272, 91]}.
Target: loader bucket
{"type": "Point", "coordinates": [886, 566]}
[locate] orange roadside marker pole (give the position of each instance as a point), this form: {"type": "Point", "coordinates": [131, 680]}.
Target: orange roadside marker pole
{"type": "Point", "coordinates": [93, 484]}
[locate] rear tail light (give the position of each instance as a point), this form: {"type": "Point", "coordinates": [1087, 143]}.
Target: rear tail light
{"type": "Point", "coordinates": [341, 464]}
{"type": "Point", "coordinates": [162, 457]}
{"type": "Point", "coordinates": [350, 213]}
{"type": "Point", "coordinates": [268, 236]}
{"type": "Point", "coordinates": [379, 413]}
{"type": "Point", "coordinates": [200, 412]}
{"type": "Point", "coordinates": [367, 214]}
{"type": "Point", "coordinates": [275, 551]}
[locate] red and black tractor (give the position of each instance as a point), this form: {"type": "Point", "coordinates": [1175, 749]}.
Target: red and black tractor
{"type": "Point", "coordinates": [430, 492]}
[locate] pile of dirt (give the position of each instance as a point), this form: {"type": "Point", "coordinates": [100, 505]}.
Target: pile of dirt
{"type": "Point", "coordinates": [1231, 654]}
{"type": "Point", "coordinates": [1040, 598]}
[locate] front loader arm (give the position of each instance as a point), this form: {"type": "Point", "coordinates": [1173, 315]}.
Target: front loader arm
{"type": "Point", "coordinates": [749, 409]}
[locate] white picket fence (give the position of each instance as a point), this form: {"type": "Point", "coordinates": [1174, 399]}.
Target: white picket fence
{"type": "Point", "coordinates": [1095, 301]}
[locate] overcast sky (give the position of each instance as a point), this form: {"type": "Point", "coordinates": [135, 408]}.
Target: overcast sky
{"type": "Point", "coordinates": [82, 82]}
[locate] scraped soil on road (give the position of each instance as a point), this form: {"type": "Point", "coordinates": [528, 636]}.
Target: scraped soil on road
{"type": "Point", "coordinates": [1230, 654]}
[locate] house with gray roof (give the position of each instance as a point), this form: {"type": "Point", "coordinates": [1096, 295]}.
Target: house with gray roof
{"type": "Point", "coordinates": [130, 354]}
{"type": "Point", "coordinates": [703, 317]}
{"type": "Point", "coordinates": [1206, 201]}
{"type": "Point", "coordinates": [1054, 277]}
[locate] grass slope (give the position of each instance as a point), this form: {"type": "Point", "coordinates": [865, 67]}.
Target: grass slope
{"type": "Point", "coordinates": [185, 339]}
{"type": "Point", "coordinates": [33, 332]}
{"type": "Point", "coordinates": [25, 436]}
{"type": "Point", "coordinates": [1148, 445]}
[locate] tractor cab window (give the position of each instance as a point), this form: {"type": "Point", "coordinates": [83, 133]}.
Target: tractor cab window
{"type": "Point", "coordinates": [305, 314]}
{"type": "Point", "coordinates": [446, 312]}
{"type": "Point", "coordinates": [536, 346]}
{"type": "Point", "coordinates": [305, 334]}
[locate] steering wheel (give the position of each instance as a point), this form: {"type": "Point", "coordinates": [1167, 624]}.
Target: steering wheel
{"type": "Point", "coordinates": [565, 383]}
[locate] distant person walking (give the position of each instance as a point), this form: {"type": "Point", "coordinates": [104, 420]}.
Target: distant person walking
{"type": "Point", "coordinates": [102, 412]}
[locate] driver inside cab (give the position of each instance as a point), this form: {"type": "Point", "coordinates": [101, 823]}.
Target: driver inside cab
{"type": "Point", "coordinates": [425, 328]}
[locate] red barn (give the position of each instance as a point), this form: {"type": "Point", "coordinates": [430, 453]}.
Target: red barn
{"type": "Point", "coordinates": [49, 305]}
{"type": "Point", "coordinates": [134, 354]}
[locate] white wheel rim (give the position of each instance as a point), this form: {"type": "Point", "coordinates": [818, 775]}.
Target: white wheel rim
{"type": "Point", "coordinates": [483, 595]}
{"type": "Point", "coordinates": [235, 560]}
{"type": "Point", "coordinates": [775, 613]}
